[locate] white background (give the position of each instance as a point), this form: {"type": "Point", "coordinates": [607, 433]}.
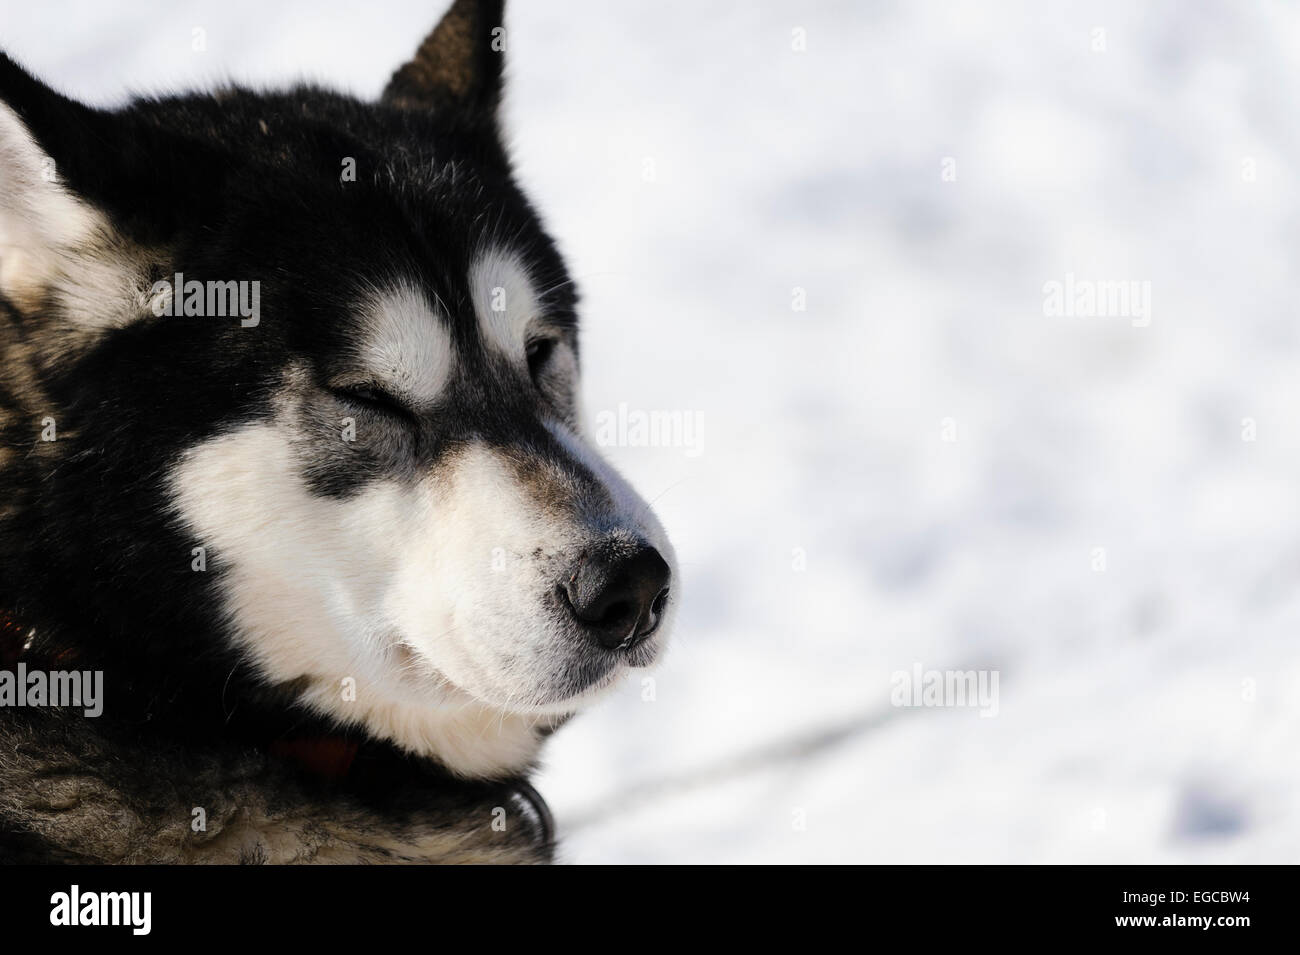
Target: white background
{"type": "Point", "coordinates": [1148, 712]}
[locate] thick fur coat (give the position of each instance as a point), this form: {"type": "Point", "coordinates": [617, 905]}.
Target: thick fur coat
{"type": "Point", "coordinates": [344, 559]}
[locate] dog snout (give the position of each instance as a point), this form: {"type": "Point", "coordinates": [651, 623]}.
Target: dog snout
{"type": "Point", "coordinates": [618, 596]}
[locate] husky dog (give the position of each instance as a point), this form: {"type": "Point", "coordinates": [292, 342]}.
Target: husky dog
{"type": "Point", "coordinates": [291, 455]}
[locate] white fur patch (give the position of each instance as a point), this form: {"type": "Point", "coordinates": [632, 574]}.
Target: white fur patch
{"type": "Point", "coordinates": [418, 610]}
{"type": "Point", "coordinates": [505, 300]}
{"type": "Point", "coordinates": [310, 587]}
{"type": "Point", "coordinates": [406, 345]}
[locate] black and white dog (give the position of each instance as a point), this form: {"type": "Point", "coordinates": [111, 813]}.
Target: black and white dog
{"type": "Point", "coordinates": [290, 453]}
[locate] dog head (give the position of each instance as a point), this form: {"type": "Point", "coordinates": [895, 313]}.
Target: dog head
{"type": "Point", "coordinates": [314, 367]}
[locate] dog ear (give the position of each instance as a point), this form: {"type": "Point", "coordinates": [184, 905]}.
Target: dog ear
{"type": "Point", "coordinates": [58, 245]}
{"type": "Point", "coordinates": [41, 217]}
{"type": "Point", "coordinates": [458, 67]}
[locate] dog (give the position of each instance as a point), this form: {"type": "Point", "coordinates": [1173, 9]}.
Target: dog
{"type": "Point", "coordinates": [291, 457]}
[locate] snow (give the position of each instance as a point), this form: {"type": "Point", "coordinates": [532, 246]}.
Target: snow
{"type": "Point", "coordinates": [698, 170]}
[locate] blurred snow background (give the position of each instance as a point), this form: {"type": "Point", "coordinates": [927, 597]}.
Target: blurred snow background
{"type": "Point", "coordinates": [698, 168]}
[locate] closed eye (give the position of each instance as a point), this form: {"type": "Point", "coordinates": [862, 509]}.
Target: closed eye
{"type": "Point", "coordinates": [539, 352]}
{"type": "Point", "coordinates": [374, 398]}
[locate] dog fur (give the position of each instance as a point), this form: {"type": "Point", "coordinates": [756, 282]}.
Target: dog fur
{"type": "Point", "coordinates": [343, 522]}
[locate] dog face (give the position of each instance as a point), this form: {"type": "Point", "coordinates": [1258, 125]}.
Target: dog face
{"type": "Point", "coordinates": [344, 353]}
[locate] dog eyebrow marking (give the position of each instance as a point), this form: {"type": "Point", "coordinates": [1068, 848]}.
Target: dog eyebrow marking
{"type": "Point", "coordinates": [505, 300]}
{"type": "Point", "coordinates": [406, 345]}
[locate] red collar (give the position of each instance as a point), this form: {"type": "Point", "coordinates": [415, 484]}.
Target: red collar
{"type": "Point", "coordinates": [329, 757]}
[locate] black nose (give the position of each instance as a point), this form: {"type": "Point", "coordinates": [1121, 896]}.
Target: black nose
{"type": "Point", "coordinates": [619, 596]}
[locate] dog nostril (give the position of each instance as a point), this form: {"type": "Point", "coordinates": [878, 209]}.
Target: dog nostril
{"type": "Point", "coordinates": [618, 595]}
{"type": "Point", "coordinates": [616, 614]}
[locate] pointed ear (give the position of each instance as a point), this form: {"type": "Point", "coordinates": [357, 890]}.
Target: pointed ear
{"type": "Point", "coordinates": [38, 209]}
{"type": "Point", "coordinates": [57, 246]}
{"type": "Point", "coordinates": [458, 66]}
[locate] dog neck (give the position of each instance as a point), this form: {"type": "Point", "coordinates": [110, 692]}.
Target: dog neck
{"type": "Point", "coordinates": [327, 756]}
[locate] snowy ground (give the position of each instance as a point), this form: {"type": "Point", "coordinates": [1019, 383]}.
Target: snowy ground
{"type": "Point", "coordinates": [698, 170]}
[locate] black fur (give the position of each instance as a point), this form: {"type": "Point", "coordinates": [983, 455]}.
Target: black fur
{"type": "Point", "coordinates": [244, 185]}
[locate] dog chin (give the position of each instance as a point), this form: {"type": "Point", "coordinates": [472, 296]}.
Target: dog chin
{"type": "Point", "coordinates": [575, 687]}
{"type": "Point", "coordinates": [578, 694]}
{"type": "Point", "coordinates": [565, 703]}
{"type": "Point", "coordinates": [570, 691]}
